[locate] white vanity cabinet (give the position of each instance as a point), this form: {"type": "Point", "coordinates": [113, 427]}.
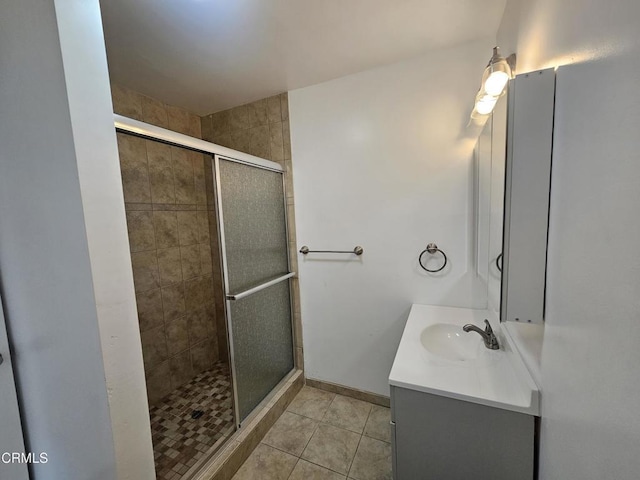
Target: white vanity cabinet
{"type": "Point", "coordinates": [460, 411]}
{"type": "Point", "coordinates": [440, 438]}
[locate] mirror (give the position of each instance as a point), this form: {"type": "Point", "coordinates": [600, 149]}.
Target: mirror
{"type": "Point", "coordinates": [489, 172]}
{"type": "Point", "coordinates": [527, 186]}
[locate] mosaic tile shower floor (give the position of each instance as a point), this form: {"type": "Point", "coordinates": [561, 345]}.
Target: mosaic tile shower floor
{"type": "Point", "coordinates": [179, 439]}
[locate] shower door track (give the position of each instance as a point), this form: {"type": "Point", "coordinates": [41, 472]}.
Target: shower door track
{"type": "Point", "coordinates": [146, 130]}
{"type": "Point", "coordinates": [219, 152]}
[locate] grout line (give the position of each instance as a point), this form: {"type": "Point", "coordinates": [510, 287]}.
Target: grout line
{"type": "Point", "coordinates": [329, 407]}
{"type": "Point", "coordinates": [360, 439]}
{"type": "Point", "coordinates": [312, 434]}
{"type": "Point", "coordinates": [294, 468]}
{"type": "Point", "coordinates": [277, 448]}
{"type": "Point", "coordinates": [318, 422]}
{"type": "Point", "coordinates": [323, 466]}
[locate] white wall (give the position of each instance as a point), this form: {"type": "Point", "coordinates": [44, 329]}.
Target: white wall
{"type": "Point", "coordinates": [380, 161]}
{"type": "Point", "coordinates": [65, 270]}
{"type": "Point", "coordinates": [586, 354]}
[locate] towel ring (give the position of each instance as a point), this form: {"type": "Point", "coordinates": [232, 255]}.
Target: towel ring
{"type": "Point", "coordinates": [432, 248]}
{"type": "Point", "coordinates": [498, 264]}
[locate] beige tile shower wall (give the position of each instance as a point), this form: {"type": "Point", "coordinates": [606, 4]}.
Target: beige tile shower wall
{"type": "Point", "coordinates": [169, 213]}
{"type": "Point", "coordinates": [261, 128]}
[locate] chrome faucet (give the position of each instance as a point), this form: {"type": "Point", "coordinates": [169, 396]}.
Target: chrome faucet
{"type": "Point", "coordinates": [490, 340]}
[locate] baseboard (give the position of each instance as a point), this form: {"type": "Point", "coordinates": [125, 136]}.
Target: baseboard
{"type": "Point", "coordinates": [370, 397]}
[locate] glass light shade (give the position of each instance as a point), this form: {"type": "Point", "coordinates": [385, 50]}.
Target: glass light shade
{"type": "Point", "coordinates": [496, 75]}
{"type": "Point", "coordinates": [485, 103]}
{"type": "Point", "coordinates": [495, 83]}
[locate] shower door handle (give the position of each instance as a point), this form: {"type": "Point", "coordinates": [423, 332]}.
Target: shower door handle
{"type": "Point", "coordinates": [262, 286]}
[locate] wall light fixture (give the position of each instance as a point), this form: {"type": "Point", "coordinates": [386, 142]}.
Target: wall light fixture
{"type": "Point", "coordinates": [494, 81]}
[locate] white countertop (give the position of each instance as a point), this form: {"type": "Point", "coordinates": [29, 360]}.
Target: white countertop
{"type": "Point", "coordinates": [496, 378]}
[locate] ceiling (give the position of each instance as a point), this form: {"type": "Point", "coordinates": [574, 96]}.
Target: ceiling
{"type": "Point", "coordinates": [209, 55]}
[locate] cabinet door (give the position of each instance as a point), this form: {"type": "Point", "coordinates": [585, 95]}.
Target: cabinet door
{"type": "Point", "coordinates": [10, 429]}
{"type": "Point", "coordinates": [442, 438]}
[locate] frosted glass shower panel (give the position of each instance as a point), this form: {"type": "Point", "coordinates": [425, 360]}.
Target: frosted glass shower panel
{"type": "Point", "coordinates": [262, 344]}
{"type": "Point", "coordinates": [255, 256]}
{"type": "Point", "coordinates": [254, 224]}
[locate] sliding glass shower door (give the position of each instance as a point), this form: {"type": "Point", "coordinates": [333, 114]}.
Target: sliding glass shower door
{"type": "Point", "coordinates": [253, 234]}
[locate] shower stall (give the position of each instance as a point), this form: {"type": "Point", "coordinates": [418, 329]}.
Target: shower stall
{"type": "Point", "coordinates": [210, 254]}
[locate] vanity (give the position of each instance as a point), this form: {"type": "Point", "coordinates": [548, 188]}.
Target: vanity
{"type": "Point", "coordinates": [458, 409]}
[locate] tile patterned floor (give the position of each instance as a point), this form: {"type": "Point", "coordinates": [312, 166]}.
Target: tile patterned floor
{"type": "Point", "coordinates": [324, 436]}
{"type": "Point", "coordinates": [179, 440]}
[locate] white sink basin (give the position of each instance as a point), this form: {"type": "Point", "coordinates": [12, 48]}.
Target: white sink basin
{"type": "Point", "coordinates": [449, 341]}
{"type": "Point", "coordinates": [436, 356]}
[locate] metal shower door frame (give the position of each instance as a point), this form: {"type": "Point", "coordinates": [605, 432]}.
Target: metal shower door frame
{"type": "Point", "coordinates": [228, 295]}
{"type": "Point", "coordinates": [218, 152]}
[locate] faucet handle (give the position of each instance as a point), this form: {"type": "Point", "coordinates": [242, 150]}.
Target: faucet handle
{"type": "Point", "coordinates": [491, 342]}
{"type": "Point", "coordinates": [488, 328]}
